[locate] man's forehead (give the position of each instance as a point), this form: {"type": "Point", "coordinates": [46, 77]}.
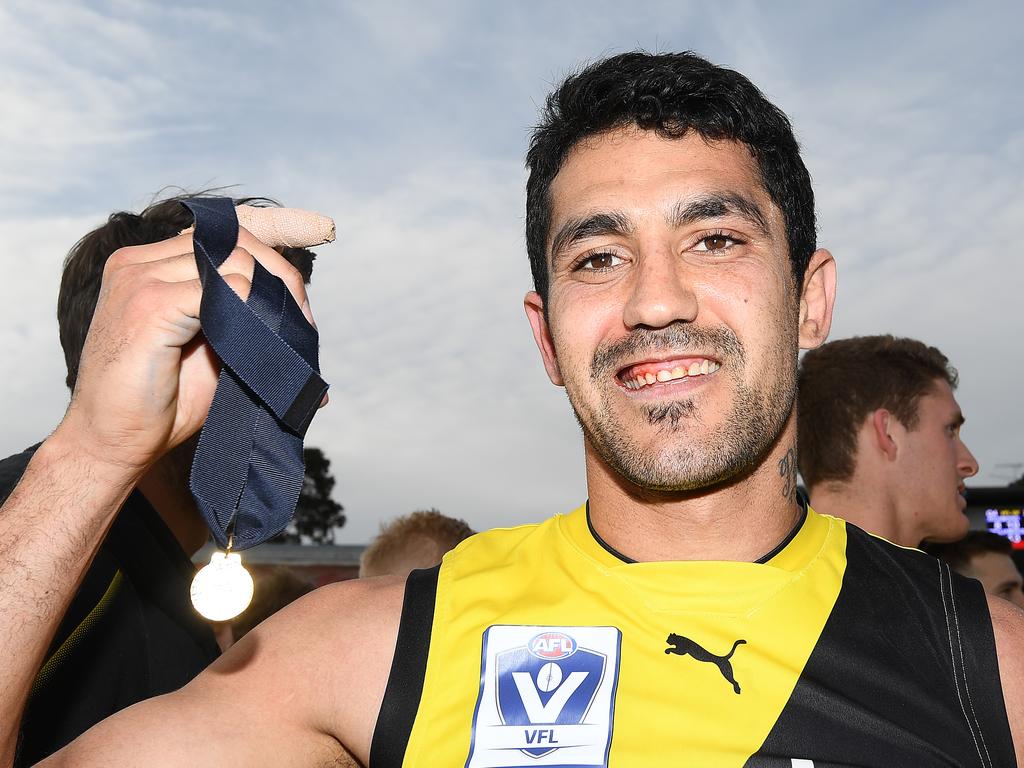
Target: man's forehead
{"type": "Point", "coordinates": [629, 166]}
{"type": "Point", "coordinates": [940, 398]}
{"type": "Point", "coordinates": [996, 565]}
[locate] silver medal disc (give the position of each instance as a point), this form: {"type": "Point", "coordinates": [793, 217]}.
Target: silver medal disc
{"type": "Point", "coordinates": [223, 588]}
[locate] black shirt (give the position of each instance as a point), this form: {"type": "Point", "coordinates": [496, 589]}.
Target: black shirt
{"type": "Point", "coordinates": [130, 632]}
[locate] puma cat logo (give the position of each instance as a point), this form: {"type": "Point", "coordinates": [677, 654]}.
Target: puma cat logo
{"type": "Point", "coordinates": [683, 645]}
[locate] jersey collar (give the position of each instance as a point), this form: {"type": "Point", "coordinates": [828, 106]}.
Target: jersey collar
{"type": "Point", "coordinates": [795, 550]}
{"type": "Point", "coordinates": [719, 587]}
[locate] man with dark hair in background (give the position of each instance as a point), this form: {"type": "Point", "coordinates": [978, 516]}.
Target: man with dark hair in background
{"type": "Point", "coordinates": [129, 632]}
{"type": "Point", "coordinates": [987, 557]}
{"type": "Point", "coordinates": [694, 611]}
{"type": "Point", "coordinates": [417, 540]}
{"type": "Point", "coordinates": [879, 438]}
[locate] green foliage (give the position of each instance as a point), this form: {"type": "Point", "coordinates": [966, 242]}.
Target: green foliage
{"type": "Point", "coordinates": [316, 514]}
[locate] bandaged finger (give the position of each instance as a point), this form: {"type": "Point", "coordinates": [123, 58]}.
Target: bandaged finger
{"type": "Point", "coordinates": [285, 227]}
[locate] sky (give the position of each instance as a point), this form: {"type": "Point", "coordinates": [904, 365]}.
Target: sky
{"type": "Point", "coordinates": [407, 122]}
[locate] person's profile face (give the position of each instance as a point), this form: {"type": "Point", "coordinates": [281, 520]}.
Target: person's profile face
{"type": "Point", "coordinates": [998, 575]}
{"type": "Point", "coordinates": [672, 312]}
{"type": "Point", "coordinates": [934, 464]}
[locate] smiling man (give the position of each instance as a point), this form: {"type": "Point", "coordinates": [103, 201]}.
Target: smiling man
{"type": "Point", "coordinates": [879, 435]}
{"type": "Point", "coordinates": [693, 611]}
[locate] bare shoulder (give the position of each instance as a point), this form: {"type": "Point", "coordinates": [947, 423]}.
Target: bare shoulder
{"type": "Point", "coordinates": [334, 648]}
{"type": "Point", "coordinates": [342, 612]}
{"type": "Point", "coordinates": [1008, 627]}
{"type": "Point", "coordinates": [303, 688]}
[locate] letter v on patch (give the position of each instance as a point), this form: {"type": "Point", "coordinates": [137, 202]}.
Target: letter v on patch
{"type": "Point", "coordinates": [547, 696]}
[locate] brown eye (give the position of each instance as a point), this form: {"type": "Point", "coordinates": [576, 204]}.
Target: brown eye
{"type": "Point", "coordinates": [599, 261]}
{"type": "Point", "coordinates": [716, 242]}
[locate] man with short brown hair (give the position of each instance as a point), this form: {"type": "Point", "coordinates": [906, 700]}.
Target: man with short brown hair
{"type": "Point", "coordinates": [879, 438]}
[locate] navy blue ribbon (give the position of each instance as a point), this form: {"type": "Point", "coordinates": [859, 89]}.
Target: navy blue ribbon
{"type": "Point", "coordinates": [248, 468]}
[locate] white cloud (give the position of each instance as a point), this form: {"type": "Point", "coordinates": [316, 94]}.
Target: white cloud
{"type": "Point", "coordinates": [32, 388]}
{"type": "Point", "coordinates": [407, 122]}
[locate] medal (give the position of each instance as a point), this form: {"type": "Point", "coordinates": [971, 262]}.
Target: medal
{"type": "Point", "coordinates": [222, 589]}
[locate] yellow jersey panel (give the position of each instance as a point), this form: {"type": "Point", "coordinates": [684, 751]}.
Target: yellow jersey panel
{"type": "Point", "coordinates": [712, 649]}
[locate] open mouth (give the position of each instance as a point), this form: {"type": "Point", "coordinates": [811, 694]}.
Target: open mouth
{"type": "Point", "coordinates": [650, 373]}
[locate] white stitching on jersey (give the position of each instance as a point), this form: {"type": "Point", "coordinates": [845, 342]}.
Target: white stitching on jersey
{"type": "Point", "coordinates": [952, 658]}
{"type": "Point", "coordinates": [963, 664]}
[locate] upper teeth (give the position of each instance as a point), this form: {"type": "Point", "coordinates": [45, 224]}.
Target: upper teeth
{"type": "Point", "coordinates": [695, 369]}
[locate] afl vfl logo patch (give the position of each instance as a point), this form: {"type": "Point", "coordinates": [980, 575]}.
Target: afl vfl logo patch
{"type": "Point", "coordinates": [547, 697]}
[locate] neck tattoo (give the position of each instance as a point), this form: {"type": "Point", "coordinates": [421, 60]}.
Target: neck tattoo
{"type": "Point", "coordinates": [787, 471]}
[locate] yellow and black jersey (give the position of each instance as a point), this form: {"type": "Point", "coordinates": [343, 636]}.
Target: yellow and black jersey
{"type": "Point", "coordinates": [542, 646]}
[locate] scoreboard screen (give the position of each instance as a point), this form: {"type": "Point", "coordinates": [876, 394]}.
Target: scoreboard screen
{"type": "Point", "coordinates": [999, 510]}
{"type": "Point", "coordinates": [1007, 523]}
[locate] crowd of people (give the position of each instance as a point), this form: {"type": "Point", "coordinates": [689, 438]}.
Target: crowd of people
{"type": "Point", "coordinates": [671, 235]}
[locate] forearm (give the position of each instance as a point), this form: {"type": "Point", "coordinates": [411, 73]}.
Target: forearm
{"type": "Point", "coordinates": [50, 529]}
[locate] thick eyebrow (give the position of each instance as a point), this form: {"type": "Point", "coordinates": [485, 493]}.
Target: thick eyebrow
{"type": "Point", "coordinates": [595, 225]}
{"type": "Point", "coordinates": [711, 206]}
{"type": "Point", "coordinates": [716, 206]}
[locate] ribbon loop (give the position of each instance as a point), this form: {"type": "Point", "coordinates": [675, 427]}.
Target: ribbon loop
{"type": "Point", "coordinates": [248, 468]}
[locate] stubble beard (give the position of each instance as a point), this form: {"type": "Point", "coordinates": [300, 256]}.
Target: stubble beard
{"type": "Point", "coordinates": [683, 457]}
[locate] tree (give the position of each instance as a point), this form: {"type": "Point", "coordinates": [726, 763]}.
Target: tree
{"type": "Point", "coordinates": [316, 514]}
{"type": "Point", "coordinates": [1018, 483]}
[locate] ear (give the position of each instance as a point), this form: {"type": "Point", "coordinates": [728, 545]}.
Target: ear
{"type": "Point", "coordinates": [882, 423]}
{"type": "Point", "coordinates": [534, 306]}
{"type": "Point", "coordinates": [817, 299]}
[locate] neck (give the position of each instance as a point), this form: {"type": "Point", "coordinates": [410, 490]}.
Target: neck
{"type": "Point", "coordinates": [166, 489]}
{"type": "Point", "coordinates": [863, 502]}
{"type": "Point", "coordinates": [741, 519]}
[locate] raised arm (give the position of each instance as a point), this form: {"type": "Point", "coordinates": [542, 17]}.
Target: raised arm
{"type": "Point", "coordinates": [145, 384]}
{"type": "Point", "coordinates": [299, 690]}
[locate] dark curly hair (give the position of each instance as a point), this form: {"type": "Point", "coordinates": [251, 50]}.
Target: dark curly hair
{"type": "Point", "coordinates": [83, 267]}
{"type": "Point", "coordinates": [671, 94]}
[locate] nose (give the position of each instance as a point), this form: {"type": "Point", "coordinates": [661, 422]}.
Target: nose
{"type": "Point", "coordinates": [661, 292]}
{"type": "Point", "coordinates": [966, 463]}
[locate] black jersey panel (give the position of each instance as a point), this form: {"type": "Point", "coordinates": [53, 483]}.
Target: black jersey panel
{"type": "Point", "coordinates": [405, 683]}
{"type": "Point", "coordinates": [886, 683]}
{"type": "Point", "coordinates": [978, 667]}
